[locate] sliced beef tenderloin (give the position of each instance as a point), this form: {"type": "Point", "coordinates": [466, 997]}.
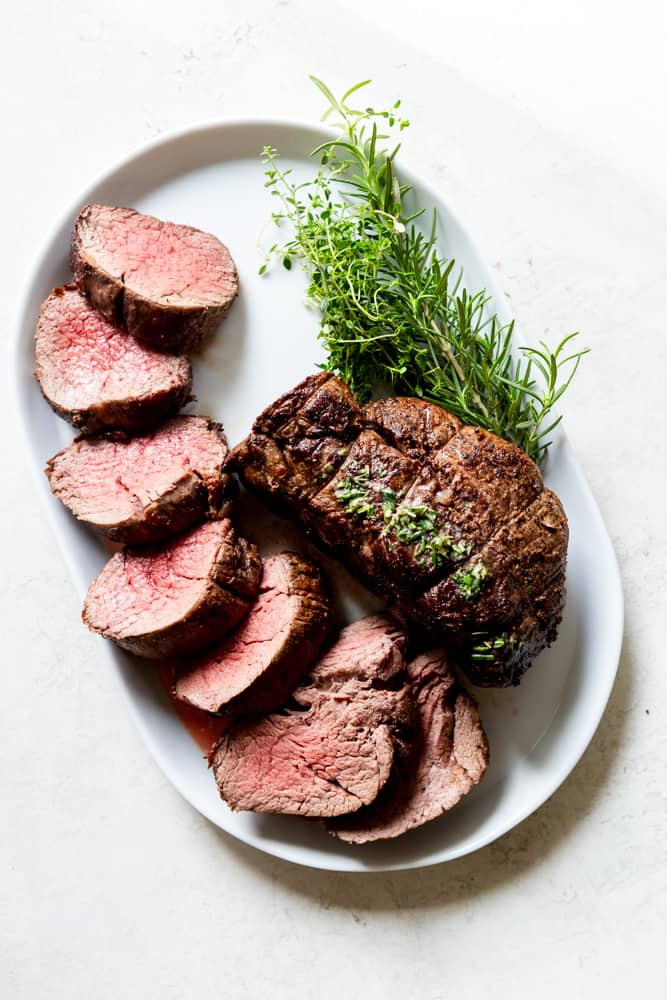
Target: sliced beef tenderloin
{"type": "Point", "coordinates": [450, 754]}
{"type": "Point", "coordinates": [430, 514]}
{"type": "Point", "coordinates": [145, 488]}
{"type": "Point", "coordinates": [167, 284]}
{"type": "Point", "coordinates": [256, 667]}
{"type": "Point", "coordinates": [98, 377]}
{"type": "Point", "coordinates": [178, 598]}
{"type": "Point", "coordinates": [332, 749]}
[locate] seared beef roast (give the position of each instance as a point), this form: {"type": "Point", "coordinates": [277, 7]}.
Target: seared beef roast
{"type": "Point", "coordinates": [450, 754]}
{"type": "Point", "coordinates": [452, 525]}
{"type": "Point", "coordinates": [167, 284]}
{"type": "Point", "coordinates": [177, 598]}
{"type": "Point", "coordinates": [98, 377]}
{"type": "Point", "coordinates": [332, 749]}
{"type": "Point", "coordinates": [257, 666]}
{"type": "Point", "coordinates": [144, 488]}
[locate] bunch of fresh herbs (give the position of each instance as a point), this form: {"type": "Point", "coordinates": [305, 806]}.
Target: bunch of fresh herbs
{"type": "Point", "coordinates": [395, 315]}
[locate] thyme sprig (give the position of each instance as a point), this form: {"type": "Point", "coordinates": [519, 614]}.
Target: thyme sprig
{"type": "Point", "coordinates": [395, 314]}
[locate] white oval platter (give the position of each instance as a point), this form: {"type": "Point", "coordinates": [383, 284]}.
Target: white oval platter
{"type": "Point", "coordinates": [210, 176]}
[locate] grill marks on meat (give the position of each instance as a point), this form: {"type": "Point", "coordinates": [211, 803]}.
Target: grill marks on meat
{"type": "Point", "coordinates": [449, 757]}
{"type": "Point", "coordinates": [96, 376]}
{"type": "Point", "coordinates": [177, 598]}
{"type": "Point", "coordinates": [334, 750]}
{"type": "Point", "coordinates": [167, 284]}
{"type": "Point", "coordinates": [258, 665]}
{"type": "Point", "coordinates": [299, 442]}
{"type": "Point", "coordinates": [145, 488]}
{"type": "Point", "coordinates": [486, 511]}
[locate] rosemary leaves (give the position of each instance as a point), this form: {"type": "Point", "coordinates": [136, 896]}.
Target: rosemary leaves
{"type": "Point", "coordinates": [395, 314]}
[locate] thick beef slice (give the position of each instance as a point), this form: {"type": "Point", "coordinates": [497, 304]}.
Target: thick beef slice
{"type": "Point", "coordinates": [98, 377]}
{"type": "Point", "coordinates": [256, 667]}
{"type": "Point", "coordinates": [177, 598]}
{"type": "Point", "coordinates": [144, 488]}
{"type": "Point", "coordinates": [167, 284]}
{"type": "Point", "coordinates": [334, 750]}
{"type": "Point", "coordinates": [449, 756]}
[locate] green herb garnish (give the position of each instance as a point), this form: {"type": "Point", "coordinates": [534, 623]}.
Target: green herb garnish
{"type": "Point", "coordinates": [354, 494]}
{"type": "Point", "coordinates": [484, 652]}
{"type": "Point", "coordinates": [410, 524]}
{"type": "Point", "coordinates": [469, 581]}
{"type": "Point", "coordinates": [395, 315]}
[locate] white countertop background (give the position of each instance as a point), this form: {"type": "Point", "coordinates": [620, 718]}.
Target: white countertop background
{"type": "Point", "coordinates": [545, 126]}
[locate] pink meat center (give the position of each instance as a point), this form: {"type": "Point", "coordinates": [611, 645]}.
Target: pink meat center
{"type": "Point", "coordinates": [165, 262]}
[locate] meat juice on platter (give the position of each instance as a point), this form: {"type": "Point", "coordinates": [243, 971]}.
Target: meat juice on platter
{"type": "Point", "coordinates": [366, 727]}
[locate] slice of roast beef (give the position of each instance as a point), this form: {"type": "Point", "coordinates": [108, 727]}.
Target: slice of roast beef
{"type": "Point", "coordinates": [450, 754]}
{"type": "Point", "coordinates": [144, 488]}
{"type": "Point", "coordinates": [256, 667]}
{"type": "Point", "coordinates": [332, 749]}
{"type": "Point", "coordinates": [98, 377]}
{"type": "Point", "coordinates": [178, 598]}
{"type": "Point", "coordinates": [167, 284]}
{"type": "Point", "coordinates": [447, 523]}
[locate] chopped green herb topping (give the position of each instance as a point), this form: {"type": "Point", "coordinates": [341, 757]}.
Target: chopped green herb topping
{"type": "Point", "coordinates": [484, 652]}
{"type": "Point", "coordinates": [415, 524]}
{"type": "Point", "coordinates": [469, 581]}
{"type": "Point", "coordinates": [354, 494]}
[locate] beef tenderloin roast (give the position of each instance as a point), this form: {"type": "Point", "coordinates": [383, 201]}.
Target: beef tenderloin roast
{"type": "Point", "coordinates": [450, 524]}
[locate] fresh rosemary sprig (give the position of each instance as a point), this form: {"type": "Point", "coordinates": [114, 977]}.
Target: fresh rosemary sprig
{"type": "Point", "coordinates": [395, 314]}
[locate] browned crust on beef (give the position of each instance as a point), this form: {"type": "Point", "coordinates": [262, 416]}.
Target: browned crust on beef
{"type": "Point", "coordinates": [170, 327]}
{"type": "Point", "coordinates": [128, 414]}
{"type": "Point", "coordinates": [488, 496]}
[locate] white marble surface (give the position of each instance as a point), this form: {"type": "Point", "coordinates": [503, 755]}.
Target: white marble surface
{"type": "Point", "coordinates": [545, 126]}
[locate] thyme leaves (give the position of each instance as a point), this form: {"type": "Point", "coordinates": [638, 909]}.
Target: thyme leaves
{"type": "Point", "coordinates": [395, 314]}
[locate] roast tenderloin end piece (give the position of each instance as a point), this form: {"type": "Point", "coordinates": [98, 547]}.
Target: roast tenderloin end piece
{"type": "Point", "coordinates": [256, 667]}
{"type": "Point", "coordinates": [98, 377]}
{"type": "Point", "coordinates": [449, 756]}
{"type": "Point", "coordinates": [450, 524]}
{"type": "Point", "coordinates": [177, 598]}
{"type": "Point", "coordinates": [145, 488]}
{"type": "Point", "coordinates": [169, 285]}
{"type": "Point", "coordinates": [332, 748]}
